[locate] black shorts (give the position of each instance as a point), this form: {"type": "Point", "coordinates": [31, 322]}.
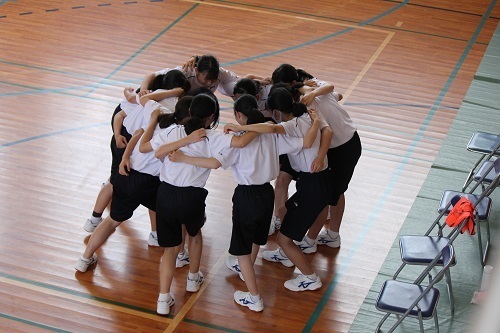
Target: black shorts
{"type": "Point", "coordinates": [252, 213]}
{"type": "Point", "coordinates": [176, 206]}
{"type": "Point", "coordinates": [131, 191]}
{"type": "Point", "coordinates": [304, 206]}
{"type": "Point", "coordinates": [286, 167]}
{"type": "Point", "coordinates": [117, 153]}
{"type": "Point", "coordinates": [341, 161]}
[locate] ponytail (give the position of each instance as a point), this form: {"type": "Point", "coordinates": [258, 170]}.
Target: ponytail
{"type": "Point", "coordinates": [181, 113]}
{"type": "Point", "coordinates": [298, 109]}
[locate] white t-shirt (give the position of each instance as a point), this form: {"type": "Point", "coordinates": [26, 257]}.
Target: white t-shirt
{"type": "Point", "coordinates": [337, 118]}
{"type": "Point", "coordinates": [182, 174]}
{"type": "Point", "coordinates": [298, 127]}
{"type": "Point", "coordinates": [145, 162]}
{"type": "Point", "coordinates": [139, 116]}
{"type": "Point", "coordinates": [224, 84]}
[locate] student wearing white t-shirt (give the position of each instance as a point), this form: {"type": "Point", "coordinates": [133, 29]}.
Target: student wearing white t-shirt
{"type": "Point", "coordinates": [253, 166]}
{"type": "Point", "coordinates": [181, 195]}
{"type": "Point", "coordinates": [313, 188]}
{"type": "Point", "coordinates": [206, 72]}
{"type": "Point", "coordinates": [124, 124]}
{"type": "Point", "coordinates": [343, 155]}
{"type": "Point", "coordinates": [138, 186]}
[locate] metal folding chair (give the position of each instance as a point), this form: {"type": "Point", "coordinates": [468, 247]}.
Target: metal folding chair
{"type": "Point", "coordinates": [405, 299]}
{"type": "Point", "coordinates": [486, 144]}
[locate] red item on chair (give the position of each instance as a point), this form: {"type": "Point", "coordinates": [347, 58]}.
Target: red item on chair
{"type": "Point", "coordinates": [463, 209]}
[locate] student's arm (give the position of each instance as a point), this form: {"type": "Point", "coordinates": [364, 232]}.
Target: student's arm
{"type": "Point", "coordinates": [121, 141]}
{"type": "Point", "coordinates": [145, 145]}
{"type": "Point", "coordinates": [130, 95]}
{"type": "Point", "coordinates": [309, 96]}
{"type": "Point", "coordinates": [145, 83]}
{"type": "Point", "coordinates": [202, 162]}
{"type": "Point", "coordinates": [260, 79]}
{"type": "Point", "coordinates": [326, 138]}
{"type": "Point", "coordinates": [124, 167]}
{"type": "Point", "coordinates": [313, 131]}
{"type": "Point", "coordinates": [167, 148]}
{"type": "Point", "coordinates": [190, 64]}
{"type": "Point", "coordinates": [241, 141]}
{"type": "Point", "coordinates": [159, 95]}
{"type": "Point", "coordinates": [262, 128]}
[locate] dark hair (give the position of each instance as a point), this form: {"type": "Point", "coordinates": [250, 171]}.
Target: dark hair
{"type": "Point", "coordinates": [284, 73]}
{"type": "Point", "coordinates": [202, 106]}
{"type": "Point", "coordinates": [170, 80]}
{"type": "Point", "coordinates": [293, 90]}
{"type": "Point", "coordinates": [181, 113]}
{"type": "Point", "coordinates": [247, 105]}
{"type": "Point", "coordinates": [208, 63]}
{"type": "Point", "coordinates": [281, 99]}
{"type": "Point", "coordinates": [303, 75]}
{"type": "Point", "coordinates": [246, 86]}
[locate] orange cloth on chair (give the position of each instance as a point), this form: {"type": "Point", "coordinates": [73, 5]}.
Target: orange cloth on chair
{"type": "Point", "coordinates": [463, 209]}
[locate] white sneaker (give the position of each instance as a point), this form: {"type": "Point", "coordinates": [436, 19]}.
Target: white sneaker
{"type": "Point", "coordinates": [277, 256]}
{"type": "Point", "coordinates": [324, 238]}
{"type": "Point", "coordinates": [82, 264]}
{"type": "Point", "coordinates": [194, 285]}
{"type": "Point", "coordinates": [90, 226]}
{"type": "Point", "coordinates": [233, 265]}
{"type": "Point", "coordinates": [163, 307]}
{"type": "Point", "coordinates": [182, 258]}
{"type": "Point", "coordinates": [275, 225]}
{"type": "Point", "coordinates": [244, 299]}
{"type": "Point", "coordinates": [305, 247]}
{"type": "Point", "coordinates": [153, 240]}
{"type": "Point", "coordinates": [303, 283]}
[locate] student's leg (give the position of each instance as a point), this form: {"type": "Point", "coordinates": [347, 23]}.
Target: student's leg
{"type": "Point", "coordinates": [100, 235]}
{"type": "Point", "coordinates": [246, 263]}
{"type": "Point", "coordinates": [167, 268]}
{"type": "Point", "coordinates": [336, 214]}
{"type": "Point", "coordinates": [318, 224]}
{"type": "Point", "coordinates": [195, 246]}
{"type": "Point", "coordinates": [294, 254]}
{"type": "Point", "coordinates": [281, 193]}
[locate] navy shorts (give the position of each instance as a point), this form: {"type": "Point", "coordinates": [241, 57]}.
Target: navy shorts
{"type": "Point", "coordinates": [117, 153]}
{"type": "Point", "coordinates": [341, 161]}
{"type": "Point", "coordinates": [131, 191]}
{"type": "Point", "coordinates": [304, 206]}
{"type": "Point", "coordinates": [252, 212]}
{"type": "Point", "coordinates": [176, 206]}
{"type": "Point", "coordinates": [286, 167]}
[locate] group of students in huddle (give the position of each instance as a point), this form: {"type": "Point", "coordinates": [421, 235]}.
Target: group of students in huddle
{"type": "Point", "coordinates": [288, 127]}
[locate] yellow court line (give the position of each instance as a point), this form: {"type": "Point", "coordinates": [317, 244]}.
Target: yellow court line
{"type": "Point", "coordinates": [367, 67]}
{"type": "Point", "coordinates": [262, 11]}
{"type": "Point", "coordinates": [179, 317]}
{"type": "Point", "coordinates": [80, 299]}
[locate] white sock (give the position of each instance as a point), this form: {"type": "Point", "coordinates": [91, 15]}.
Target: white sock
{"type": "Point", "coordinates": [155, 235]}
{"type": "Point", "coordinates": [313, 276]}
{"type": "Point", "coordinates": [255, 298]}
{"type": "Point", "coordinates": [332, 234]}
{"type": "Point", "coordinates": [85, 259]}
{"type": "Point", "coordinates": [309, 240]}
{"type": "Point", "coordinates": [193, 276]}
{"type": "Point", "coordinates": [164, 297]}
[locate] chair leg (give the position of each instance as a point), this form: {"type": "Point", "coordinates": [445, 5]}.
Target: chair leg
{"type": "Point", "coordinates": [436, 324]}
{"type": "Point", "coordinates": [488, 235]}
{"type": "Point", "coordinates": [479, 238]}
{"type": "Point", "coordinates": [377, 330]}
{"type": "Point", "coordinates": [420, 321]}
{"type": "Point", "coordinates": [450, 290]}
{"type": "Point", "coordinates": [398, 271]}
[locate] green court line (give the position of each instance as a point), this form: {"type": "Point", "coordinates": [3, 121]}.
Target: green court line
{"type": "Point", "coordinates": [32, 323]}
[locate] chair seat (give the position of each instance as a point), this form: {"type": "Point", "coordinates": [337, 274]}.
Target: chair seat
{"type": "Point", "coordinates": [482, 142]}
{"type": "Point", "coordinates": [488, 178]}
{"type": "Point", "coordinates": [397, 296]}
{"type": "Point", "coordinates": [483, 208]}
{"type": "Point", "coordinates": [421, 250]}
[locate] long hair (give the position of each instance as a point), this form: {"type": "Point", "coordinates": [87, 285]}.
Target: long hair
{"type": "Point", "coordinates": [281, 99]}
{"type": "Point", "coordinates": [247, 105]}
{"type": "Point", "coordinates": [180, 114]}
